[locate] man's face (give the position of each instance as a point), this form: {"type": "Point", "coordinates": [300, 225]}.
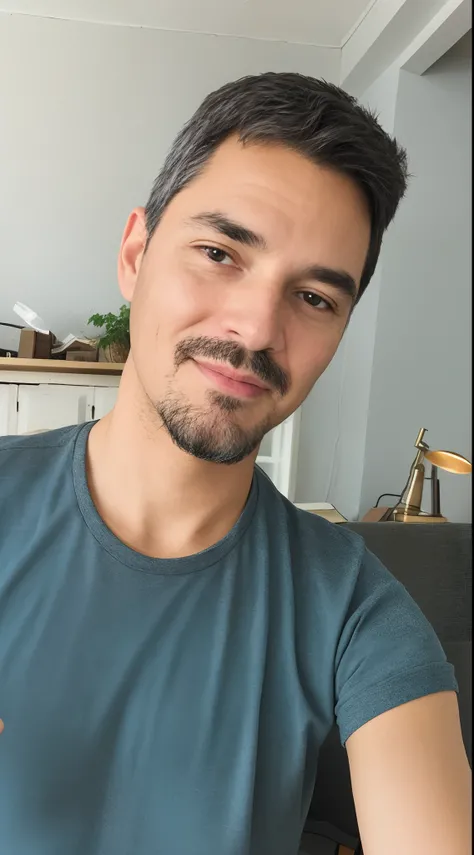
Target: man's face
{"type": "Point", "coordinates": [243, 294]}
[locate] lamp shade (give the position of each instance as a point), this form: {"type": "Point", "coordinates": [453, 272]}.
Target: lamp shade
{"type": "Point", "coordinates": [450, 461]}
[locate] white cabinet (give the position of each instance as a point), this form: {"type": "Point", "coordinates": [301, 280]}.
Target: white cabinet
{"type": "Point", "coordinates": [8, 408]}
{"type": "Point", "coordinates": [34, 400]}
{"type": "Point", "coordinates": [104, 400]}
{"type": "Point", "coordinates": [278, 455]}
{"type": "Point", "coordinates": [48, 406]}
{"type": "Point", "coordinates": [45, 400]}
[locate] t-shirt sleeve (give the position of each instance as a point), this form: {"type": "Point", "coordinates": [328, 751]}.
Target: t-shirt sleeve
{"type": "Point", "coordinates": [387, 654]}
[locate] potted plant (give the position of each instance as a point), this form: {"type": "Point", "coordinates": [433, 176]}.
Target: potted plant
{"type": "Point", "coordinates": [115, 339]}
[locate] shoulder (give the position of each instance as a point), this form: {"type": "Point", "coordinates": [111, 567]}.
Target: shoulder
{"type": "Point", "coordinates": [23, 458]}
{"type": "Point", "coordinates": [313, 533]}
{"type": "Point", "coordinates": [331, 568]}
{"type": "Point", "coordinates": [330, 554]}
{"type": "Point", "coordinates": [14, 445]}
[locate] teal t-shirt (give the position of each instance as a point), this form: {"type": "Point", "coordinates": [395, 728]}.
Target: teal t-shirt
{"type": "Point", "coordinates": [176, 707]}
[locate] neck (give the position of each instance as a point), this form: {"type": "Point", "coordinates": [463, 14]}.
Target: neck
{"type": "Point", "coordinates": [157, 499]}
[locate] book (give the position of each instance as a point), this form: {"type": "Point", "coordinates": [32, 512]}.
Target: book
{"type": "Point", "coordinates": [72, 342]}
{"type": "Point", "coordinates": [322, 509]}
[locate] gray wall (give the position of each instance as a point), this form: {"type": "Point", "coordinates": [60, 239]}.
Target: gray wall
{"type": "Point", "coordinates": [421, 373]}
{"type": "Point", "coordinates": [335, 415]}
{"type": "Point", "coordinates": [87, 112]}
{"type": "Point", "coordinates": [405, 360]}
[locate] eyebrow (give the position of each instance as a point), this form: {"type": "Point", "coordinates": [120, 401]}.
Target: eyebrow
{"type": "Point", "coordinates": [231, 229]}
{"type": "Point", "coordinates": [338, 279]}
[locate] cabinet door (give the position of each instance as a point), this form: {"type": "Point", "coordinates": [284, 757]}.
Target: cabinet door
{"type": "Point", "coordinates": [8, 412]}
{"type": "Point", "coordinates": [104, 400]}
{"type": "Point", "coordinates": [46, 407]}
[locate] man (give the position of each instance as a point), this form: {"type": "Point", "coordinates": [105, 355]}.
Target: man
{"type": "Point", "coordinates": [176, 637]}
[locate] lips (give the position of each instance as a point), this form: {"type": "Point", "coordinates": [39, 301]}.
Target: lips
{"type": "Point", "coordinates": [232, 382]}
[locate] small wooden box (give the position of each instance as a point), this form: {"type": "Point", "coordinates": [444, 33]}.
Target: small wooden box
{"type": "Point", "coordinates": [35, 345]}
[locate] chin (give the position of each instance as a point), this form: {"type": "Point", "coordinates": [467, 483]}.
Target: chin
{"type": "Point", "coordinates": [218, 432]}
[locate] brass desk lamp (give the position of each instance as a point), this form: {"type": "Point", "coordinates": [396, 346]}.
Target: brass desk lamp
{"type": "Point", "coordinates": [408, 509]}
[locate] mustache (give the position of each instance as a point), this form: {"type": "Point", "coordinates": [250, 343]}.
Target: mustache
{"type": "Point", "coordinates": [259, 363]}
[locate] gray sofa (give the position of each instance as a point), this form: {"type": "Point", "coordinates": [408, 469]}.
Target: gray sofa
{"type": "Point", "coordinates": [434, 563]}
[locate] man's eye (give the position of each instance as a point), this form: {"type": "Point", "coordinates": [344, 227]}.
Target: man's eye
{"type": "Point", "coordinates": [219, 256]}
{"type": "Point", "coordinates": [315, 300]}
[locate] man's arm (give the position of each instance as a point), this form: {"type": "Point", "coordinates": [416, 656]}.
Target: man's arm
{"type": "Point", "coordinates": [411, 780]}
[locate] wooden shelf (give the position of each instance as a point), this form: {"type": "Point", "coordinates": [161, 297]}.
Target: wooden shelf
{"type": "Point", "coordinates": [59, 366]}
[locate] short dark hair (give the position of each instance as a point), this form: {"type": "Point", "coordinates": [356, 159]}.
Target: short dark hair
{"type": "Point", "coordinates": [313, 117]}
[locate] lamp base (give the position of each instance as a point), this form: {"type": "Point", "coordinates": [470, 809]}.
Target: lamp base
{"type": "Point", "coordinates": [401, 516]}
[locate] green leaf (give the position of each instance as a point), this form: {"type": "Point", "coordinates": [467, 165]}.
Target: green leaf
{"type": "Point", "coordinates": [116, 327]}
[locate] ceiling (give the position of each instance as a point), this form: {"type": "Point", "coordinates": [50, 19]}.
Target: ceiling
{"type": "Point", "coordinates": [318, 22]}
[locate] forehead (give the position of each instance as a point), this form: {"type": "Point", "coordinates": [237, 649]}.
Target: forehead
{"type": "Point", "coordinates": [281, 194]}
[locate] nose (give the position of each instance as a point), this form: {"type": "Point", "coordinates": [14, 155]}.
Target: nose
{"type": "Point", "coordinates": [254, 315]}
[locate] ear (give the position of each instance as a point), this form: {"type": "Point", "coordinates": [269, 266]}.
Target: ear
{"type": "Point", "coordinates": [132, 249]}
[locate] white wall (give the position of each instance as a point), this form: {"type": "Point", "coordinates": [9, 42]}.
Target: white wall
{"type": "Point", "coordinates": [421, 370]}
{"type": "Point", "coordinates": [87, 113]}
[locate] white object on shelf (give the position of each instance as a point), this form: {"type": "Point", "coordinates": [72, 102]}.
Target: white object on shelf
{"type": "Point", "coordinates": [33, 401]}
{"type": "Point", "coordinates": [30, 318]}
